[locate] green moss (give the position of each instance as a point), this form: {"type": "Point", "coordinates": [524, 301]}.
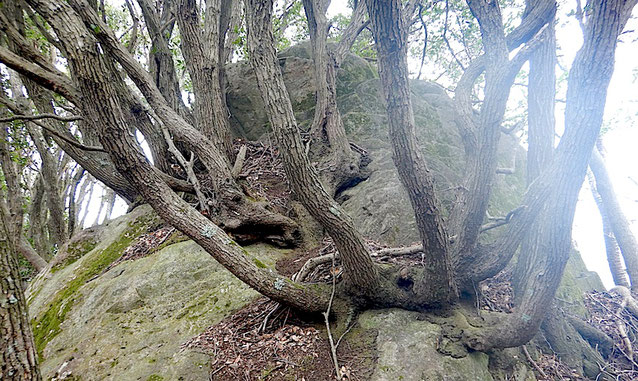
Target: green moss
{"type": "Point", "coordinates": [47, 325]}
{"type": "Point", "coordinates": [154, 377]}
{"type": "Point", "coordinates": [259, 263]}
{"type": "Point", "coordinates": [75, 251]}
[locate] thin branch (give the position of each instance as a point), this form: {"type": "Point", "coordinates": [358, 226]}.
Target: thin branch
{"type": "Point", "coordinates": [41, 116]}
{"type": "Point", "coordinates": [135, 26]}
{"type": "Point", "coordinates": [69, 138]}
{"type": "Point", "coordinates": [425, 40]}
{"type": "Point", "coordinates": [500, 221]}
{"type": "Point", "coordinates": [447, 42]}
{"type": "Point", "coordinates": [534, 364]}
{"type": "Point", "coordinates": [357, 24]}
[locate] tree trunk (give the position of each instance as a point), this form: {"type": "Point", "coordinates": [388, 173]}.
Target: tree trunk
{"type": "Point", "coordinates": [201, 49]}
{"type": "Point", "coordinates": [614, 256]}
{"type": "Point", "coordinates": [73, 205]}
{"type": "Point", "coordinates": [36, 225]}
{"type": "Point", "coordinates": [541, 125]}
{"type": "Point", "coordinates": [19, 360]}
{"type": "Point", "coordinates": [331, 146]}
{"type": "Point", "coordinates": [358, 266]}
{"type": "Point", "coordinates": [48, 170]}
{"type": "Point", "coordinates": [18, 356]}
{"type": "Point", "coordinates": [110, 203]}
{"type": "Point", "coordinates": [24, 248]}
{"type": "Point", "coordinates": [390, 34]}
{"type": "Point", "coordinates": [551, 200]}
{"type": "Point", "coordinates": [540, 105]}
{"type": "Point", "coordinates": [87, 204]}
{"type": "Point", "coordinates": [618, 223]}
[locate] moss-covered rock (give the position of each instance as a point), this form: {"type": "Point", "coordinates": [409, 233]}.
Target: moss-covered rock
{"type": "Point", "coordinates": [129, 322]}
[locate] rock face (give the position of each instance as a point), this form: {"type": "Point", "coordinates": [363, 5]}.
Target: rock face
{"type": "Point", "coordinates": [128, 323]}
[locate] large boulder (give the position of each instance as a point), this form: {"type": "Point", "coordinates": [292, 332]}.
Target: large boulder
{"type": "Point", "coordinates": [379, 206]}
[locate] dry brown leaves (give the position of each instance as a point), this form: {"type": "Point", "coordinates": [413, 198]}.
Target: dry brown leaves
{"type": "Point", "coordinates": [241, 350]}
{"type": "Point", "coordinates": [144, 245]}
{"type": "Point", "coordinates": [496, 293]}
{"type": "Point", "coordinates": [554, 369]}
{"type": "Point", "coordinates": [264, 173]}
{"type": "Point", "coordinates": [607, 313]}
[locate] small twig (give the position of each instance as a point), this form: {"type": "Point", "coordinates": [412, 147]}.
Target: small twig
{"type": "Point", "coordinates": [265, 323]}
{"type": "Point", "coordinates": [534, 364]}
{"type": "Point", "coordinates": [326, 315]}
{"type": "Point", "coordinates": [187, 165]}
{"type": "Point", "coordinates": [343, 334]}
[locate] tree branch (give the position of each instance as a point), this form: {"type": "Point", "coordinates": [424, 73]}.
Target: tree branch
{"type": "Point", "coordinates": [41, 116]}
{"type": "Point", "coordinates": [55, 81]}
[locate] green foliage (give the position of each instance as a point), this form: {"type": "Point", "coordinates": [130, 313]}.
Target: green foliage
{"type": "Point", "coordinates": [289, 24]}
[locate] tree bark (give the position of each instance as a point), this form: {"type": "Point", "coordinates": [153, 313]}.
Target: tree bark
{"type": "Point", "coordinates": [541, 125]}
{"type": "Point", "coordinates": [331, 144]}
{"type": "Point", "coordinates": [614, 256]}
{"type": "Point", "coordinates": [202, 51]}
{"type": "Point", "coordinates": [18, 360]}
{"type": "Point", "coordinates": [18, 356]}
{"type": "Point", "coordinates": [540, 105]}
{"type": "Point", "coordinates": [73, 205]}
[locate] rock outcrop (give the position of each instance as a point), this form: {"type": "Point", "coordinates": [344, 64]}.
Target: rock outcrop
{"type": "Point", "coordinates": [128, 323]}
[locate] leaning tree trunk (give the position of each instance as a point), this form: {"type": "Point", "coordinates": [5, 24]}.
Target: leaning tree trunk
{"type": "Point", "coordinates": [614, 256]}
{"type": "Point", "coordinates": [358, 266]}
{"type": "Point", "coordinates": [551, 200]}
{"type": "Point", "coordinates": [618, 222]}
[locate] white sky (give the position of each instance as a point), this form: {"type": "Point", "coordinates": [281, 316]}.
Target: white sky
{"type": "Point", "coordinates": [620, 142]}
